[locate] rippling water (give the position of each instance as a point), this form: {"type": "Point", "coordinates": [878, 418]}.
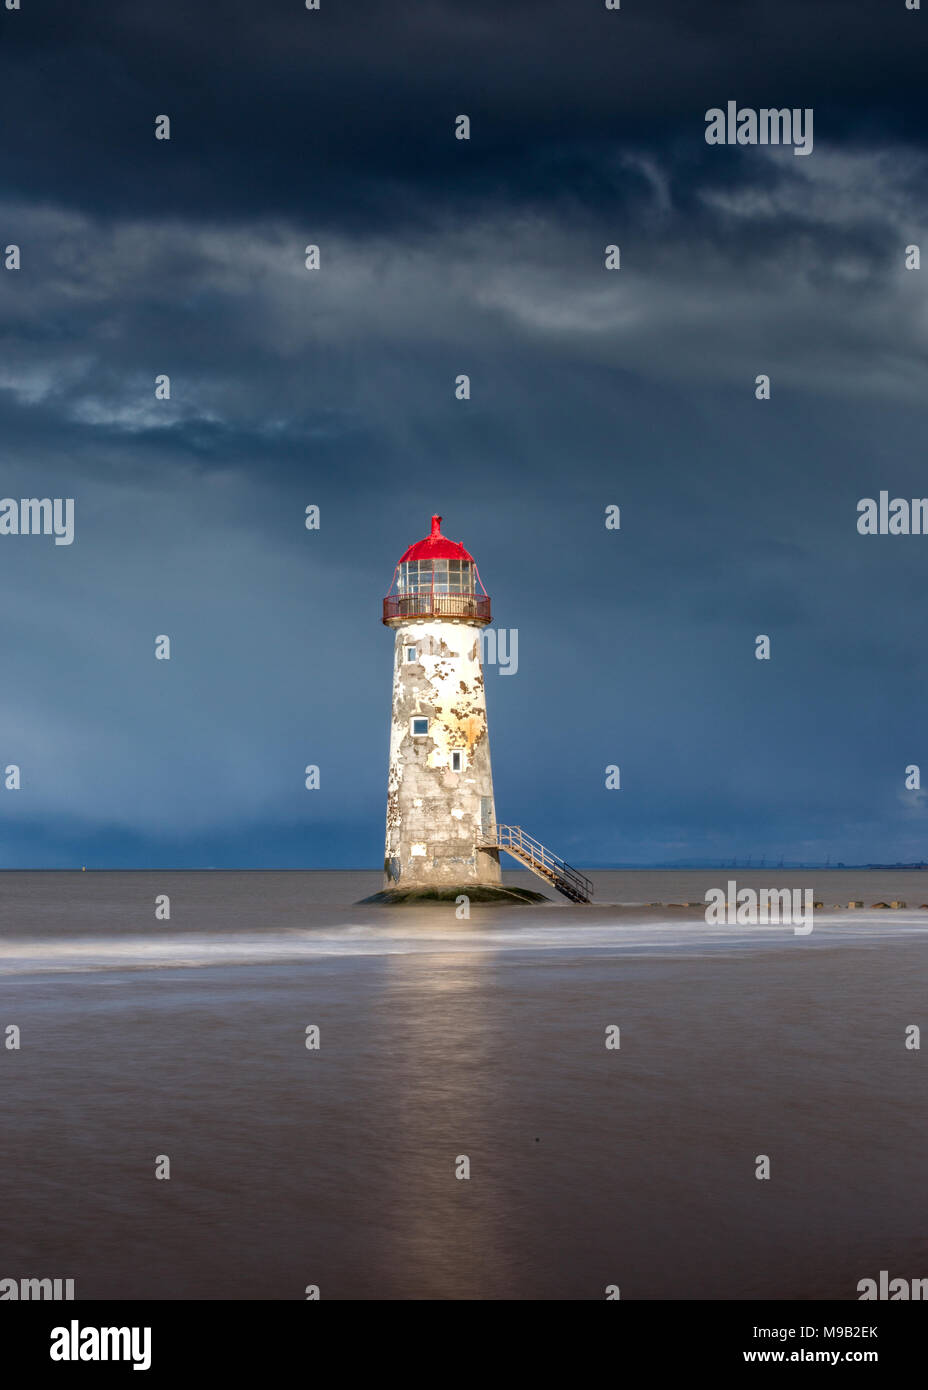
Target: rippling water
{"type": "Point", "coordinates": [440, 1038]}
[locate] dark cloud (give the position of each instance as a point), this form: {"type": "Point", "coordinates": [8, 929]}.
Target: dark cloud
{"type": "Point", "coordinates": [336, 387]}
{"type": "Point", "coordinates": [348, 111]}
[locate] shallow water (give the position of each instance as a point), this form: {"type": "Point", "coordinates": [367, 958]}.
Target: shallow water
{"type": "Point", "coordinates": [442, 1038]}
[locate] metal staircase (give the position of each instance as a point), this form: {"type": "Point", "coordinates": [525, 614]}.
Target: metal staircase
{"type": "Point", "coordinates": [534, 856]}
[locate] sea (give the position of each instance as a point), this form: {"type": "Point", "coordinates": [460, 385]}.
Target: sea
{"type": "Point", "coordinates": [277, 1093]}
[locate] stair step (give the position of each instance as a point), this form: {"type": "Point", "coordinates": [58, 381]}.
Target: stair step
{"type": "Point", "coordinates": [554, 870]}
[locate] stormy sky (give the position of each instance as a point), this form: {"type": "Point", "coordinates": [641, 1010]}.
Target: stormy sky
{"type": "Point", "coordinates": [335, 387]}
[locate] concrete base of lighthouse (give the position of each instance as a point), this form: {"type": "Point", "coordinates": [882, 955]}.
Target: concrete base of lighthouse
{"type": "Point", "coordinates": [482, 893]}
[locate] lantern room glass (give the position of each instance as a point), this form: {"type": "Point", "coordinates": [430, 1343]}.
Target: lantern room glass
{"type": "Point", "coordinates": [436, 577]}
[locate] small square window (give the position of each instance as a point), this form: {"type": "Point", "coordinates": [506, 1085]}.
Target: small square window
{"type": "Point", "coordinates": [412, 654]}
{"type": "Point", "coordinates": [420, 727]}
{"type": "Point", "coordinates": [457, 761]}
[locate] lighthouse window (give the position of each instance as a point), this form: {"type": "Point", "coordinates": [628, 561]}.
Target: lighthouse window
{"type": "Point", "coordinates": [457, 762]}
{"type": "Point", "coordinates": [420, 726]}
{"type": "Point", "coordinates": [412, 653]}
{"type": "Point", "coordinates": [439, 576]}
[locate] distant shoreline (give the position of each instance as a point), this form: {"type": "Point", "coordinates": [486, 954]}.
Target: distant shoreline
{"type": "Point", "coordinates": [587, 868]}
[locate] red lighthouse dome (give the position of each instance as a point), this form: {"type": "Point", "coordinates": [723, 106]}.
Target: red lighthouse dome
{"type": "Point", "coordinates": [436, 547]}
{"type": "Point", "coordinates": [437, 578]}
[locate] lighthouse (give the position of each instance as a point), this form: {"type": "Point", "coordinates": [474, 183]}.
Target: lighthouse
{"type": "Point", "coordinates": [441, 818]}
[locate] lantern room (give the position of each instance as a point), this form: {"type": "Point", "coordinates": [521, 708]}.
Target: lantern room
{"type": "Point", "coordinates": [437, 578]}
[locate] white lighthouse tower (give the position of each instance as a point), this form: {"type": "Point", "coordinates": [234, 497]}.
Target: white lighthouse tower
{"type": "Point", "coordinates": [441, 819]}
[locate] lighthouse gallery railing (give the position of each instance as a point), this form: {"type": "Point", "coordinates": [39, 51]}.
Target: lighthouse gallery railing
{"type": "Point", "coordinates": [432, 605]}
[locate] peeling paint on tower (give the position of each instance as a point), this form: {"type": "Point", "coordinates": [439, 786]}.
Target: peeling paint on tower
{"type": "Point", "coordinates": [440, 785]}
